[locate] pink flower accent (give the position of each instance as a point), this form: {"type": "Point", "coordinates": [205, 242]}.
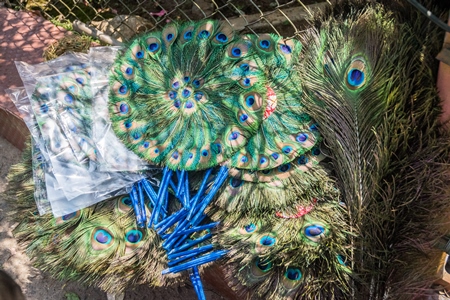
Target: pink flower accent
{"type": "Point", "coordinates": [301, 211]}
{"type": "Point", "coordinates": [271, 102]}
{"type": "Point", "coordinates": [159, 14]}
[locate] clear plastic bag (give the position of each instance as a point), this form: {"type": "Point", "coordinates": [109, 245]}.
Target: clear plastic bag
{"type": "Point", "coordinates": [114, 153]}
{"type": "Point", "coordinates": [62, 176]}
{"type": "Point", "coordinates": [64, 103]}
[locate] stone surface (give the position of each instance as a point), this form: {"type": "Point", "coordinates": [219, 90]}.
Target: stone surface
{"type": "Point", "coordinates": [123, 27]}
{"type": "Point", "coordinates": [23, 37]}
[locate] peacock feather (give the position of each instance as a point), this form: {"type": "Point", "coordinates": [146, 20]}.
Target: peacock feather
{"type": "Point", "coordinates": [371, 89]}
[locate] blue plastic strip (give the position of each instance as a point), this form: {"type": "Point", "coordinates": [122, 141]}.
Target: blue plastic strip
{"type": "Point", "coordinates": [196, 262]}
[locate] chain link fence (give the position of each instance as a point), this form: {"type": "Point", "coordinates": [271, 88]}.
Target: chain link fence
{"type": "Point", "coordinates": [116, 21]}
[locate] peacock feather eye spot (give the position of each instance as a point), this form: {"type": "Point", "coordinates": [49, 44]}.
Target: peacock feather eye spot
{"type": "Point", "coordinates": [265, 44]}
{"type": "Point", "coordinates": [250, 228]}
{"type": "Point", "coordinates": [146, 144]}
{"type": "Point", "coordinates": [204, 34]}
{"type": "Point", "coordinates": [45, 96]}
{"type": "Point", "coordinates": [293, 274]}
{"type": "Point", "coordinates": [234, 135]}
{"type": "Point", "coordinates": [314, 127]}
{"type": "Point", "coordinates": [235, 182]}
{"type": "Point", "coordinates": [355, 77]}
{"type": "Point", "coordinates": [72, 89]}
{"type": "Point", "coordinates": [275, 156]}
{"type": "Point", "coordinates": [123, 89]}
{"type": "Point", "coordinates": [133, 236]}
{"type": "Point", "coordinates": [129, 71]}
{"type": "Point", "coordinates": [198, 96]}
{"type": "Point", "coordinates": [243, 117]}
{"type": "Point", "coordinates": [191, 155]}
{"type": "Point", "coordinates": [263, 265]}
{"type": "Point", "coordinates": [246, 81]}
{"type": "Point", "coordinates": [314, 231]}
{"type": "Point", "coordinates": [301, 138]}
{"type": "Point", "coordinates": [186, 79]}
{"type": "Point", "coordinates": [263, 160]}
{"type": "Point", "coordinates": [169, 37]}
{"type": "Point", "coordinates": [156, 151]}
{"type": "Point", "coordinates": [140, 54]}
{"type": "Point", "coordinates": [245, 67]}
{"type": "Point", "coordinates": [265, 172]}
{"type": "Point", "coordinates": [153, 47]}
{"type": "Point", "coordinates": [187, 35]}
{"type": "Point", "coordinates": [284, 168]}
{"type": "Point", "coordinates": [172, 95]}
{"type": "Point", "coordinates": [267, 241]}
{"type": "Point", "coordinates": [136, 136]}
{"type": "Point", "coordinates": [177, 104]}
{"type": "Point", "coordinates": [186, 93]}
{"type": "Point", "coordinates": [128, 124]}
{"type": "Point", "coordinates": [102, 236]}
{"type": "Point", "coordinates": [127, 201]}
{"type": "Point", "coordinates": [218, 148]}
{"type": "Point", "coordinates": [79, 80]}
{"type": "Point", "coordinates": [44, 108]}
{"type": "Point", "coordinates": [250, 100]}
{"type": "Point", "coordinates": [176, 85]}
{"type": "Point", "coordinates": [286, 49]}
{"type": "Point", "coordinates": [196, 83]}
{"type": "Point", "coordinates": [315, 151]}
{"type": "Point", "coordinates": [189, 104]}
{"type": "Point", "coordinates": [68, 98]}
{"type": "Point", "coordinates": [221, 37]}
{"type": "Point", "coordinates": [123, 108]}
{"type": "Point", "coordinates": [175, 155]}
{"type": "Point", "coordinates": [236, 52]}
{"type": "Point", "coordinates": [244, 159]}
{"type": "Point", "coordinates": [302, 160]}
{"type": "Point", "coordinates": [287, 149]}
{"type": "Point", "coordinates": [205, 153]}
{"type": "Point", "coordinates": [69, 216]}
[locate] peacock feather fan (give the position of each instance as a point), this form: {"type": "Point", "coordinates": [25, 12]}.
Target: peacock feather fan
{"type": "Point", "coordinates": [288, 188]}
{"type": "Point", "coordinates": [286, 131]}
{"type": "Point", "coordinates": [298, 257]}
{"type": "Point", "coordinates": [179, 97]}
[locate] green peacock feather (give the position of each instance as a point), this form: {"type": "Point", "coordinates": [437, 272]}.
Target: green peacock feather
{"type": "Point", "coordinates": [369, 83]}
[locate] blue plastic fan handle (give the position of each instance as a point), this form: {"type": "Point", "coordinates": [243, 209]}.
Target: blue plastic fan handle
{"type": "Point", "coordinates": [134, 200]}
{"type": "Point", "coordinates": [189, 244]}
{"type": "Point", "coordinates": [196, 262]}
{"type": "Point", "coordinates": [200, 192]}
{"type": "Point", "coordinates": [198, 228]}
{"type": "Point", "coordinates": [195, 251]}
{"type": "Point", "coordinates": [142, 202]}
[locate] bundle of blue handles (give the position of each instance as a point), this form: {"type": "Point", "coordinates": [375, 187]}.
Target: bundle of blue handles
{"type": "Point", "coordinates": [183, 252]}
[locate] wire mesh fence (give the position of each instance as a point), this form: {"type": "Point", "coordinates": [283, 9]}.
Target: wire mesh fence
{"type": "Point", "coordinates": [120, 20]}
